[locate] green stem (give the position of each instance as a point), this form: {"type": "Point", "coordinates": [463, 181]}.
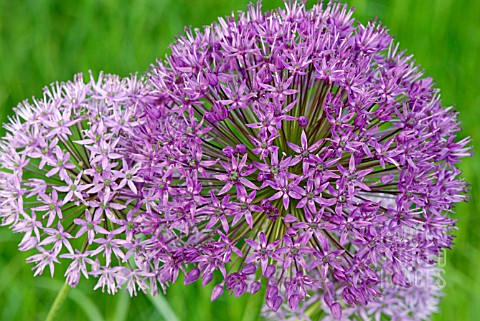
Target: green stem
{"type": "Point", "coordinates": [61, 296]}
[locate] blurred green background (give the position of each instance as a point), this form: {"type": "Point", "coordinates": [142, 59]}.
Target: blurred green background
{"type": "Point", "coordinates": [42, 41]}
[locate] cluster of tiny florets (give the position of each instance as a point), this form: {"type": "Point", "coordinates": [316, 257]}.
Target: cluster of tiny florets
{"type": "Point", "coordinates": [281, 138]}
{"type": "Point", "coordinates": [296, 150]}
{"type": "Point", "coordinates": [67, 182]}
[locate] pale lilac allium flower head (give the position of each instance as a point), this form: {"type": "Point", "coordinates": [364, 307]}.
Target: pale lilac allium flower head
{"type": "Point", "coordinates": [277, 140]}
{"type": "Point", "coordinates": [67, 183]}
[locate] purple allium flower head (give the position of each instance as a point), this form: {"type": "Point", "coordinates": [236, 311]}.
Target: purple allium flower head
{"type": "Point", "coordinates": [346, 166]}
{"type": "Point", "coordinates": [67, 183]}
